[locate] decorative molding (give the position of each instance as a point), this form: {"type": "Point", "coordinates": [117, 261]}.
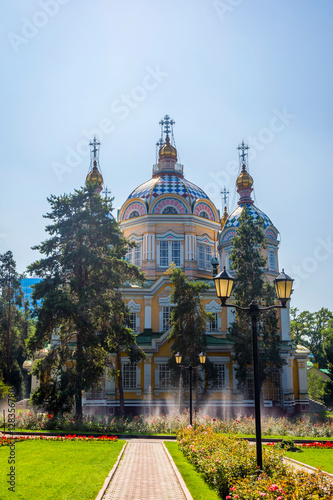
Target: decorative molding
{"type": "Point", "coordinates": [133, 307]}
{"type": "Point", "coordinates": [213, 307]}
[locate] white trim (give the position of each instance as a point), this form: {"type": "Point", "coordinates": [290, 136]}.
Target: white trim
{"type": "Point", "coordinates": [213, 307]}
{"type": "Point", "coordinates": [169, 235]}
{"type": "Point", "coordinates": [165, 301]}
{"type": "Point", "coordinates": [133, 307]}
{"type": "Point", "coordinates": [204, 238]}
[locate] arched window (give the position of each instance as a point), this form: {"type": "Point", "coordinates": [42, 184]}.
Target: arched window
{"type": "Point", "coordinates": [203, 214]}
{"type": "Point", "coordinates": [133, 214]}
{"type": "Point", "coordinates": [169, 210]}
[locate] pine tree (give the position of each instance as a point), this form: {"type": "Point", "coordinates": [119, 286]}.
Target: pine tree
{"type": "Point", "coordinates": [248, 262]}
{"type": "Point", "coordinates": [12, 325]}
{"type": "Point", "coordinates": [121, 339]}
{"type": "Point", "coordinates": [188, 320]}
{"type": "Point", "coordinates": [82, 269]}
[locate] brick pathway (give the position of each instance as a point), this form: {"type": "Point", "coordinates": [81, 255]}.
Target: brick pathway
{"type": "Point", "coordinates": [144, 473]}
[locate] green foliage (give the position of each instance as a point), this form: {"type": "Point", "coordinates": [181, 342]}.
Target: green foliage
{"type": "Point", "coordinates": [188, 317]}
{"type": "Point", "coordinates": [315, 427]}
{"type": "Point", "coordinates": [316, 387]}
{"type": "Point", "coordinates": [311, 329]}
{"type": "Point", "coordinates": [248, 263]}
{"type": "Point", "coordinates": [194, 481]}
{"type": "Point", "coordinates": [288, 445]}
{"type": "Point", "coordinates": [229, 466]}
{"type": "Point", "coordinates": [15, 326]}
{"type": "Point", "coordinates": [82, 268]}
{"type": "Point", "coordinates": [188, 320]}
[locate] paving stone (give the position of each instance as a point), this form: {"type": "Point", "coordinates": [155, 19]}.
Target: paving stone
{"type": "Point", "coordinates": [144, 473]}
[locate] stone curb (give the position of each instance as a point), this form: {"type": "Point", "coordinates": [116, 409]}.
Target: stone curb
{"type": "Point", "coordinates": [110, 476]}
{"type": "Point", "coordinates": [181, 481]}
{"type": "Point", "coordinates": [306, 466]}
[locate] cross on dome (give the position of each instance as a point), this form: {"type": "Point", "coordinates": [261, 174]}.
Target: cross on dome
{"type": "Point", "coordinates": [94, 176]}
{"type": "Point", "coordinates": [225, 196]}
{"type": "Point", "coordinates": [94, 147]}
{"type": "Point", "coordinates": [243, 148]}
{"type": "Point", "coordinates": [168, 124]}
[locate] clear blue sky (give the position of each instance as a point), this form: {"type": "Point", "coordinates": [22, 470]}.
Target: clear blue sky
{"type": "Point", "coordinates": [224, 71]}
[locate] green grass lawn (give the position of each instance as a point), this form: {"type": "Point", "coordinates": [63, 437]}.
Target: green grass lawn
{"type": "Point", "coordinates": [319, 458]}
{"type": "Point", "coordinates": [199, 489]}
{"type": "Point", "coordinates": [58, 470]}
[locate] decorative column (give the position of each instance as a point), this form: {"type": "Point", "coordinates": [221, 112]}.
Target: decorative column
{"type": "Point", "coordinates": [147, 312]}
{"type": "Point", "coordinates": [285, 324]}
{"type": "Point", "coordinates": [287, 382]}
{"type": "Point", "coordinates": [302, 379]}
{"type": "Point", "coordinates": [147, 374]}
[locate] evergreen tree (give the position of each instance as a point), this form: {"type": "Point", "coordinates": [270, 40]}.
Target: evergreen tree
{"type": "Point", "coordinates": [188, 320]}
{"type": "Point", "coordinates": [82, 268]}
{"type": "Point", "coordinates": [248, 262]}
{"type": "Point", "coordinates": [121, 339]}
{"type": "Point", "coordinates": [12, 326]}
{"type": "Point", "coordinates": [328, 354]}
{"type": "Point", "coordinates": [310, 330]}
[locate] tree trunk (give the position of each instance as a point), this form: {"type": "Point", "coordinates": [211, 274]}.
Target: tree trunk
{"type": "Point", "coordinates": [120, 384]}
{"type": "Point", "coordinates": [78, 396]}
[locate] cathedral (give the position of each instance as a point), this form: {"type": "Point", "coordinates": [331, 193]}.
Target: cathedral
{"type": "Point", "coordinates": [174, 223]}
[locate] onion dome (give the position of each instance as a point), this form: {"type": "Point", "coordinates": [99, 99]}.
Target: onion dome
{"type": "Point", "coordinates": [244, 179]}
{"type": "Point", "coordinates": [168, 192]}
{"type": "Point", "coordinates": [95, 177]}
{"type": "Point", "coordinates": [168, 151]}
{"type": "Point", "coordinates": [244, 185]}
{"type": "Point", "coordinates": [224, 217]}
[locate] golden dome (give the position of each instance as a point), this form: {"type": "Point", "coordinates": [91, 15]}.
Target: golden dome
{"type": "Point", "coordinates": [244, 179]}
{"type": "Point", "coordinates": [224, 217]}
{"type": "Point", "coordinates": [168, 151]}
{"type": "Point", "coordinates": [94, 176]}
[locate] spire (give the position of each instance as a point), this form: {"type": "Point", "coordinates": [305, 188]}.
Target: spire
{"type": "Point", "coordinates": [224, 218]}
{"type": "Point", "coordinates": [242, 153]}
{"type": "Point", "coordinates": [167, 152]}
{"type": "Point", "coordinates": [94, 176]}
{"type": "Point", "coordinates": [225, 198]}
{"type": "Point", "coordinates": [166, 127]}
{"type": "Point", "coordinates": [244, 181]}
{"type": "Point", "coordinates": [94, 152]}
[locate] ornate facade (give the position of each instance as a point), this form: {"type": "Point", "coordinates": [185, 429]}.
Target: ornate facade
{"type": "Point", "coordinates": [174, 223]}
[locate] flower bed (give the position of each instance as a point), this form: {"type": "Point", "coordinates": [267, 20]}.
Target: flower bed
{"type": "Point", "coordinates": [316, 444]}
{"type": "Point", "coordinates": [311, 427]}
{"type": "Point", "coordinates": [229, 466]}
{"type": "Point", "coordinates": [7, 440]}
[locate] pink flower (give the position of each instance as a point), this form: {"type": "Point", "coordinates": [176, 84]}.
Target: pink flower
{"type": "Point", "coordinates": [228, 497]}
{"type": "Point", "coordinates": [232, 488]}
{"type": "Point", "coordinates": [274, 487]}
{"type": "Point", "coordinates": [279, 498]}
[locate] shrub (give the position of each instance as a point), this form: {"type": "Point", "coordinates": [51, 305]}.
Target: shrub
{"type": "Point", "coordinates": [229, 466]}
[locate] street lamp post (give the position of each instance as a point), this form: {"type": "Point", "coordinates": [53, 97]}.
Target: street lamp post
{"type": "Point", "coordinates": [283, 287]}
{"type": "Point", "coordinates": [202, 358]}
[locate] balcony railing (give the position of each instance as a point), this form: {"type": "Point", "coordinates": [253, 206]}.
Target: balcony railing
{"type": "Point", "coordinates": [178, 167]}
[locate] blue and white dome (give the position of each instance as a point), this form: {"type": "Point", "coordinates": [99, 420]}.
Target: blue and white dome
{"type": "Point", "coordinates": [230, 222]}
{"type": "Point", "coordinates": [256, 214]}
{"type": "Point", "coordinates": [168, 192]}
